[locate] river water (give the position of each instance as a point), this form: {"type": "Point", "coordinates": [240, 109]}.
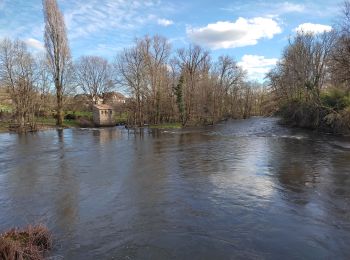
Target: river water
{"type": "Point", "coordinates": [247, 189]}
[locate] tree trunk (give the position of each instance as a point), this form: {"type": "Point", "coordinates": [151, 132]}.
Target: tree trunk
{"type": "Point", "coordinates": [59, 94]}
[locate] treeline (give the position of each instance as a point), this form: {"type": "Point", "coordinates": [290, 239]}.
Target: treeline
{"type": "Point", "coordinates": [310, 85]}
{"type": "Point", "coordinates": [163, 85]}
{"type": "Point", "coordinates": [186, 86]}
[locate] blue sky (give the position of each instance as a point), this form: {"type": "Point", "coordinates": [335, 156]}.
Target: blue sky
{"type": "Point", "coordinates": [253, 31]}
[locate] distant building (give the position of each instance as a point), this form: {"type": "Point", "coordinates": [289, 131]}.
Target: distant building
{"type": "Point", "coordinates": [103, 115]}
{"type": "Point", "coordinates": [113, 98]}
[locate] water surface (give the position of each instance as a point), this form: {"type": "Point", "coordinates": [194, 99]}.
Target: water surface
{"type": "Point", "coordinates": [247, 189]}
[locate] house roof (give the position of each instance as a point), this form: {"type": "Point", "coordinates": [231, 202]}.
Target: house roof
{"type": "Point", "coordinates": [103, 106]}
{"type": "Point", "coordinates": [115, 94]}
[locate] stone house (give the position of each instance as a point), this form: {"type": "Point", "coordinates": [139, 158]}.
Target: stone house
{"type": "Point", "coordinates": [103, 115]}
{"type": "Point", "coordinates": [113, 98]}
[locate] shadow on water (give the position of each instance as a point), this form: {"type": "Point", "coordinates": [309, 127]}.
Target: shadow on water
{"type": "Point", "coordinates": [245, 189]}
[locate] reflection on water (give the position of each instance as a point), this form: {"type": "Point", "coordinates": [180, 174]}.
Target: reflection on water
{"type": "Point", "coordinates": [244, 189]}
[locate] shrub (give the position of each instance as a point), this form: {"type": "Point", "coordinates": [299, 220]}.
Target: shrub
{"type": "Point", "coordinates": [32, 243]}
{"type": "Point", "coordinates": [336, 98]}
{"type": "Point", "coordinates": [303, 114]}
{"type": "Point", "coordinates": [84, 122]}
{"type": "Point", "coordinates": [70, 116]}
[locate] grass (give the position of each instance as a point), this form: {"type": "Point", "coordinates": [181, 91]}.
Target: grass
{"type": "Point", "coordinates": [121, 118]}
{"type": "Point", "coordinates": [166, 126]}
{"type": "Point", "coordinates": [83, 119]}
{"type": "Point", "coordinates": [51, 122]}
{"type": "Point", "coordinates": [5, 108]}
{"type": "Point", "coordinates": [80, 113]}
{"type": "Point", "coordinates": [70, 123]}
{"type": "Point", "coordinates": [47, 121]}
{"type": "Point", "coordinates": [30, 243]}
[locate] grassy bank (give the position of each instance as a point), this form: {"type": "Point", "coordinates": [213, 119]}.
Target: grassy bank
{"type": "Point", "coordinates": [331, 114]}
{"type": "Point", "coordinates": [166, 126]}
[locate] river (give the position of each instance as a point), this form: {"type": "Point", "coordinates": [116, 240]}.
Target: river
{"type": "Point", "coordinates": [244, 189]}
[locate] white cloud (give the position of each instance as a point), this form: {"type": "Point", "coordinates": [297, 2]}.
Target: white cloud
{"type": "Point", "coordinates": [313, 28]}
{"type": "Point", "coordinates": [103, 16]}
{"type": "Point", "coordinates": [264, 8]}
{"type": "Point", "coordinates": [33, 43]}
{"type": "Point", "coordinates": [242, 32]}
{"type": "Point", "coordinates": [257, 66]}
{"type": "Point", "coordinates": [288, 7]}
{"type": "Point", "coordinates": [165, 22]}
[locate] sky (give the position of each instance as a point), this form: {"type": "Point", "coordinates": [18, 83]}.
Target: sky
{"type": "Point", "coordinates": [254, 32]}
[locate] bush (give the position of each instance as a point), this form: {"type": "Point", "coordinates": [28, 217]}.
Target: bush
{"type": "Point", "coordinates": [84, 122]}
{"type": "Point", "coordinates": [339, 122]}
{"type": "Point", "coordinates": [336, 99]}
{"type": "Point", "coordinates": [70, 116]}
{"type": "Point", "coordinates": [5, 115]}
{"type": "Point", "coordinates": [309, 115]}
{"type": "Point", "coordinates": [32, 243]}
{"type": "Point", "coordinates": [302, 114]}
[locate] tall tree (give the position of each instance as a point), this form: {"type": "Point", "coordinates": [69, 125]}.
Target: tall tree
{"type": "Point", "coordinates": [340, 63]}
{"type": "Point", "coordinates": [156, 51]}
{"type": "Point", "coordinates": [191, 61]}
{"type": "Point", "coordinates": [94, 76]}
{"type": "Point", "coordinates": [58, 51]}
{"type": "Point", "coordinates": [130, 68]}
{"type": "Point", "coordinates": [230, 78]}
{"type": "Point", "coordinates": [179, 98]}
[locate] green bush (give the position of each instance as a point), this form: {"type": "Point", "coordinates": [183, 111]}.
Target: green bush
{"type": "Point", "coordinates": [336, 99]}
{"type": "Point", "coordinates": [70, 116]}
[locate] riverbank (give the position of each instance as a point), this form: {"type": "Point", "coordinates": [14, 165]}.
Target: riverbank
{"type": "Point", "coordinates": [315, 117]}
{"type": "Point", "coordinates": [49, 124]}
{"type": "Point", "coordinates": [72, 119]}
{"type": "Point", "coordinates": [5, 127]}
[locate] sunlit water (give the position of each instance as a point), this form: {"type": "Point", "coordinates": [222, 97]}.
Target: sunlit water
{"type": "Point", "coordinates": [239, 190]}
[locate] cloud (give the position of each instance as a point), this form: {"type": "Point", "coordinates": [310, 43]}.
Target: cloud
{"type": "Point", "coordinates": [35, 44]}
{"type": "Point", "coordinates": [102, 16]}
{"type": "Point", "coordinates": [257, 66]}
{"type": "Point", "coordinates": [265, 8]}
{"type": "Point", "coordinates": [313, 28]}
{"type": "Point", "coordinates": [165, 22]}
{"type": "Point", "coordinates": [242, 32]}
{"type": "Point", "coordinates": [288, 7]}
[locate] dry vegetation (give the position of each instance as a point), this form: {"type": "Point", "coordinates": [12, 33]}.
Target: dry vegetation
{"type": "Point", "coordinates": [30, 243]}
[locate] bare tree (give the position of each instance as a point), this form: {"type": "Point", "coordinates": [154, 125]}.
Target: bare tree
{"type": "Point", "coordinates": [156, 51]}
{"type": "Point", "coordinates": [340, 63]}
{"type": "Point", "coordinates": [230, 78]}
{"type": "Point", "coordinates": [17, 73]}
{"type": "Point", "coordinates": [58, 51]}
{"type": "Point", "coordinates": [303, 70]}
{"type": "Point", "coordinates": [44, 85]}
{"type": "Point", "coordinates": [130, 68]}
{"type": "Point", "coordinates": [191, 61]}
{"type": "Point", "coordinates": [94, 76]}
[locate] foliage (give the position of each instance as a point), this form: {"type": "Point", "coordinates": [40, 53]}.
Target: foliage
{"type": "Point", "coordinates": [121, 118]}
{"type": "Point", "coordinates": [179, 98]}
{"type": "Point", "coordinates": [336, 98]}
